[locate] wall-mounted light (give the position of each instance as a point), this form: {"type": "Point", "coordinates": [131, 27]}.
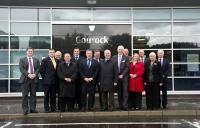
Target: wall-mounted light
{"type": "Point", "coordinates": [91, 28]}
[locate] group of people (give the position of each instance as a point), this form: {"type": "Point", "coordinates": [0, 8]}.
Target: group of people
{"type": "Point", "coordinates": [70, 83]}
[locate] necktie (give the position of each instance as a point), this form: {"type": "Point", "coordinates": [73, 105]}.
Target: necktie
{"type": "Point", "coordinates": [30, 66]}
{"type": "Point", "coordinates": [54, 62]}
{"type": "Point", "coordinates": [88, 63]}
{"type": "Point", "coordinates": [119, 62]}
{"type": "Point", "coordinates": [160, 60]}
{"type": "Point", "coordinates": [76, 58]}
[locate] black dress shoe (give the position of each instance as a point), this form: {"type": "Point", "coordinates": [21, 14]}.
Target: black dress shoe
{"type": "Point", "coordinates": [33, 111]}
{"type": "Point", "coordinates": [25, 112]}
{"type": "Point", "coordinates": [83, 109]}
{"type": "Point", "coordinates": [46, 111]}
{"type": "Point", "coordinates": [125, 109]}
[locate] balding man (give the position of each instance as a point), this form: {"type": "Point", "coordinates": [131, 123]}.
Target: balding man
{"type": "Point", "coordinates": [164, 70]}
{"type": "Point", "coordinates": [122, 64]}
{"type": "Point", "coordinates": [126, 53]}
{"type": "Point", "coordinates": [142, 55]}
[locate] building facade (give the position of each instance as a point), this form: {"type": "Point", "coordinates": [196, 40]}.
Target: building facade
{"type": "Point", "coordinates": [174, 29]}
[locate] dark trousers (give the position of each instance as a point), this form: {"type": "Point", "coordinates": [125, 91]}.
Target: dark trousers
{"type": "Point", "coordinates": [152, 95]}
{"type": "Point", "coordinates": [135, 100]}
{"type": "Point", "coordinates": [49, 96]}
{"type": "Point", "coordinates": [107, 99]}
{"type": "Point", "coordinates": [78, 93]}
{"type": "Point", "coordinates": [29, 86]}
{"type": "Point", "coordinates": [164, 94]}
{"type": "Point", "coordinates": [58, 96]}
{"type": "Point", "coordinates": [100, 96]}
{"type": "Point", "coordinates": [123, 93]}
{"type": "Point", "coordinates": [88, 88]}
{"type": "Point", "coordinates": [69, 101]}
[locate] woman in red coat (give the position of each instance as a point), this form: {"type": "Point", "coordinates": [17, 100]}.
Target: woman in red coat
{"type": "Point", "coordinates": [136, 87]}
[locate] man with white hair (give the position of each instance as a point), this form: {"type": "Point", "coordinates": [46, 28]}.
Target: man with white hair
{"type": "Point", "coordinates": [142, 55]}
{"type": "Point", "coordinates": [107, 80]}
{"type": "Point", "coordinates": [122, 64]}
{"type": "Point", "coordinates": [164, 70]}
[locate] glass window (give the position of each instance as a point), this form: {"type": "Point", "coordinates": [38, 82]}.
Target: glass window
{"type": "Point", "coordinates": [191, 28]}
{"type": "Point", "coordinates": [24, 14]}
{"type": "Point", "coordinates": [181, 84]}
{"type": "Point", "coordinates": [71, 14]}
{"type": "Point", "coordinates": [4, 57]}
{"type": "Point", "coordinates": [4, 86]}
{"type": "Point", "coordinates": [24, 28]}
{"type": "Point", "coordinates": [44, 28]}
{"type": "Point", "coordinates": [3, 28]}
{"type": "Point", "coordinates": [3, 13]}
{"type": "Point", "coordinates": [168, 54]}
{"type": "Point", "coordinates": [36, 42]}
{"type": "Point", "coordinates": [15, 86]}
{"type": "Point", "coordinates": [14, 71]}
{"type": "Point", "coordinates": [3, 71]}
{"type": "Point", "coordinates": [186, 42]}
{"type": "Point", "coordinates": [3, 42]}
{"type": "Point", "coordinates": [112, 14]}
{"type": "Point", "coordinates": [169, 84]}
{"type": "Point", "coordinates": [186, 70]}
{"type": "Point", "coordinates": [148, 29]}
{"type": "Point", "coordinates": [151, 14]}
{"type": "Point", "coordinates": [145, 42]}
{"type": "Point", "coordinates": [187, 56]}
{"type": "Point", "coordinates": [44, 15]}
{"type": "Point", "coordinates": [16, 55]}
{"type": "Point", "coordinates": [186, 14]}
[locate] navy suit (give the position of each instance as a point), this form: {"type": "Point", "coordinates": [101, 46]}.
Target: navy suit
{"type": "Point", "coordinates": [88, 72]}
{"type": "Point", "coordinates": [165, 72]}
{"type": "Point", "coordinates": [77, 83]}
{"type": "Point", "coordinates": [49, 79]}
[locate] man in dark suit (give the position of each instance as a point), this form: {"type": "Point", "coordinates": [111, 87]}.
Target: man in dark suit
{"type": "Point", "coordinates": [165, 71]}
{"type": "Point", "coordinates": [58, 56]}
{"type": "Point", "coordinates": [67, 72]}
{"type": "Point", "coordinates": [142, 55]}
{"type": "Point", "coordinates": [76, 59]}
{"type": "Point", "coordinates": [97, 57]}
{"type": "Point", "coordinates": [108, 76]}
{"type": "Point", "coordinates": [88, 69]}
{"type": "Point", "coordinates": [29, 68]}
{"type": "Point", "coordinates": [122, 64]}
{"type": "Point", "coordinates": [48, 71]}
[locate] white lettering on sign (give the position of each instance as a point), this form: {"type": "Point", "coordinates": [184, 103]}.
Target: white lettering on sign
{"type": "Point", "coordinates": [97, 40]}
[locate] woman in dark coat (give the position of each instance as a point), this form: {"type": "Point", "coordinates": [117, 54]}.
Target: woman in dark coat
{"type": "Point", "coordinates": [136, 87]}
{"type": "Point", "coordinates": [107, 79]}
{"type": "Point", "coordinates": [67, 74]}
{"type": "Point", "coordinates": [152, 82]}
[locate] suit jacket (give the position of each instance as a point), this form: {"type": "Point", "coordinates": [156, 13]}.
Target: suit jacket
{"type": "Point", "coordinates": [77, 62]}
{"type": "Point", "coordinates": [108, 74]}
{"type": "Point", "coordinates": [156, 70]}
{"type": "Point", "coordinates": [87, 72]}
{"type": "Point", "coordinates": [124, 66]}
{"type": "Point", "coordinates": [165, 68]}
{"type": "Point", "coordinates": [23, 67]}
{"type": "Point", "coordinates": [67, 89]}
{"type": "Point", "coordinates": [48, 72]}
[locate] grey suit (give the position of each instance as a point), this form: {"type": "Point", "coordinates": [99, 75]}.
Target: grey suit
{"type": "Point", "coordinates": [28, 85]}
{"type": "Point", "coordinates": [122, 83]}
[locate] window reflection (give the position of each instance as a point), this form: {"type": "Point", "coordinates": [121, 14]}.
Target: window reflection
{"type": "Point", "coordinates": [182, 55]}
{"type": "Point", "coordinates": [112, 14]}
{"type": "Point", "coordinates": [185, 84]}
{"type": "Point", "coordinates": [146, 42]}
{"type": "Point", "coordinates": [186, 70]}
{"type": "Point", "coordinates": [3, 42]}
{"type": "Point", "coordinates": [186, 28]}
{"type": "Point", "coordinates": [18, 14]}
{"type": "Point", "coordinates": [3, 71]}
{"type": "Point", "coordinates": [186, 42]}
{"type": "Point", "coordinates": [36, 42]}
{"type": "Point", "coordinates": [151, 14]}
{"type": "Point", "coordinates": [186, 14]}
{"type": "Point", "coordinates": [3, 28]}
{"type": "Point", "coordinates": [148, 29]}
{"type": "Point", "coordinates": [4, 86]}
{"type": "Point", "coordinates": [71, 14]}
{"type": "Point", "coordinates": [44, 15]}
{"type": "Point", "coordinates": [4, 57]}
{"type": "Point", "coordinates": [3, 13]}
